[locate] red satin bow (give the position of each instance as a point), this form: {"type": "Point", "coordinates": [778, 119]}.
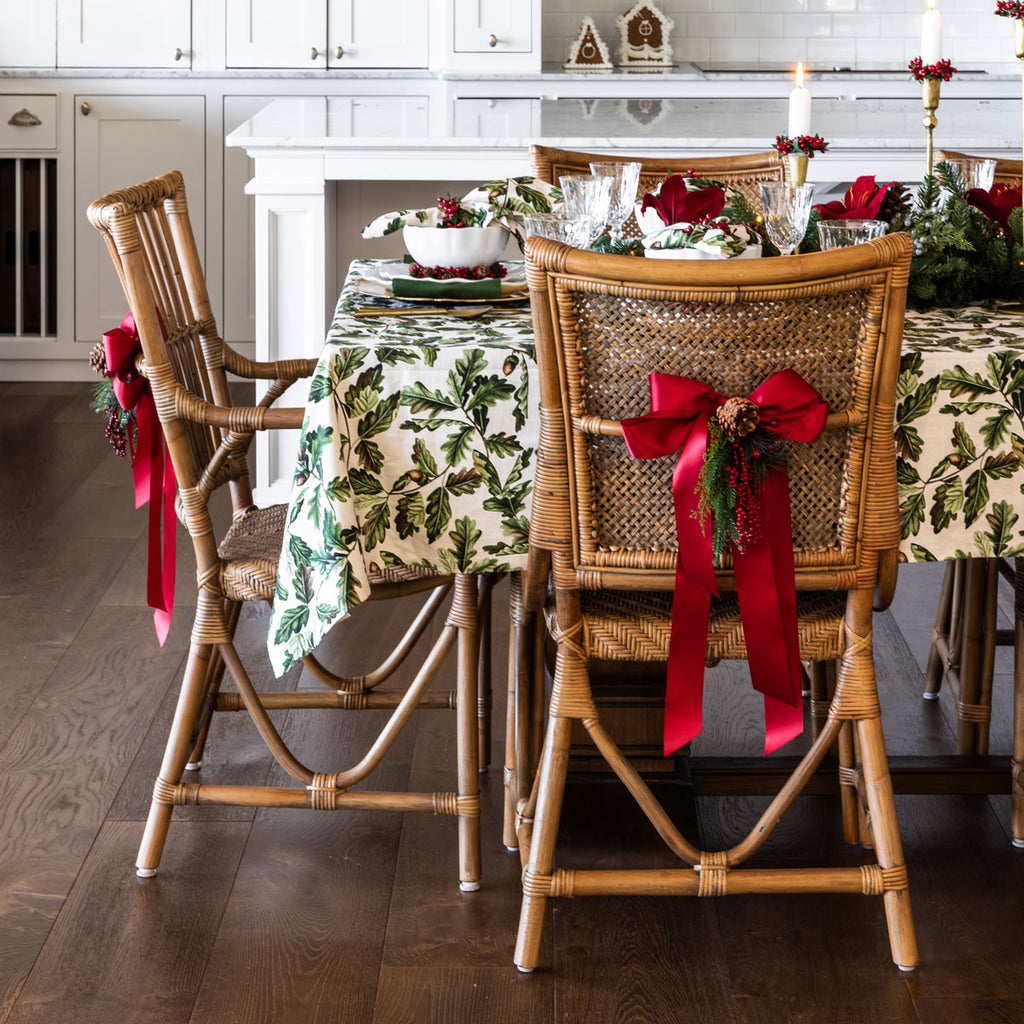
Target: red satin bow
{"type": "Point", "coordinates": [151, 468]}
{"type": "Point", "coordinates": [680, 411]}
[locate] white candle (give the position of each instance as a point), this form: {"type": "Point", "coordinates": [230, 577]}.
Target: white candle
{"type": "Point", "coordinates": [799, 107]}
{"type": "Point", "coordinates": [931, 35]}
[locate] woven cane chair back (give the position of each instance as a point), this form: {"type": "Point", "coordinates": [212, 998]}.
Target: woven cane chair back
{"type": "Point", "coordinates": [603, 324]}
{"type": "Point", "coordinates": [149, 236]}
{"type": "Point", "coordinates": [743, 173]}
{"type": "Point", "coordinates": [1008, 172]}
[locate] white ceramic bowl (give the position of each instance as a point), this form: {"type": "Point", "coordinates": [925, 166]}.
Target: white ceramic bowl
{"type": "Point", "coordinates": [750, 253]}
{"type": "Point", "coordinates": [455, 247]}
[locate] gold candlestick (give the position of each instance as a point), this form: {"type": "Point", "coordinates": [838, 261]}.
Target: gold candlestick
{"type": "Point", "coordinates": [797, 168]}
{"type": "Point", "coordinates": [1018, 50]}
{"type": "Point", "coordinates": [930, 99]}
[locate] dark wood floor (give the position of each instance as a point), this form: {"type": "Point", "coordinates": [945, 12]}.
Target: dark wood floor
{"type": "Point", "coordinates": [290, 916]}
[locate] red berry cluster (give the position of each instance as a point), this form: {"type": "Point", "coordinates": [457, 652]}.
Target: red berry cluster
{"type": "Point", "coordinates": [115, 434]}
{"type": "Point", "coordinates": [470, 273]}
{"type": "Point", "coordinates": [808, 145]}
{"type": "Point", "coordinates": [942, 69]}
{"type": "Point", "coordinates": [451, 215]}
{"type": "Point", "coordinates": [748, 508]}
{"type": "Point", "coordinates": [1010, 8]}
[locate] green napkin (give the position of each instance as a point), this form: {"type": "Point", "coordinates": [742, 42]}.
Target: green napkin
{"type": "Point", "coordinates": [430, 288]}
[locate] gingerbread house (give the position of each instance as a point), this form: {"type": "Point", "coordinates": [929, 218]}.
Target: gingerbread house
{"type": "Point", "coordinates": [588, 52]}
{"type": "Point", "coordinates": [643, 33]}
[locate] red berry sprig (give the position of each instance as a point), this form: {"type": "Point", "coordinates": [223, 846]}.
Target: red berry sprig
{"type": "Point", "coordinates": [1010, 8]}
{"type": "Point", "coordinates": [451, 215]}
{"type": "Point", "coordinates": [808, 145]}
{"type": "Point", "coordinates": [445, 273]}
{"type": "Point", "coordinates": [942, 69]}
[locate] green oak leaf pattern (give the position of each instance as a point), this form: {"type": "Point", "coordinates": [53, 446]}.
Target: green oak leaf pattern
{"type": "Point", "coordinates": [417, 449]}
{"type": "Point", "coordinates": [960, 433]}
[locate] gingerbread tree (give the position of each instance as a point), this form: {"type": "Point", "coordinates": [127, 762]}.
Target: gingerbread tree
{"type": "Point", "coordinates": [588, 52]}
{"type": "Point", "coordinates": [643, 32]}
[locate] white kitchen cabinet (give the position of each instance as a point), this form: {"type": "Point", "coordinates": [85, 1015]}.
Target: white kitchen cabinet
{"type": "Point", "coordinates": [124, 33]}
{"type": "Point", "coordinates": [28, 34]}
{"type": "Point", "coordinates": [321, 34]}
{"type": "Point", "coordinates": [496, 118]}
{"type": "Point", "coordinates": [119, 141]}
{"type": "Point", "coordinates": [504, 26]}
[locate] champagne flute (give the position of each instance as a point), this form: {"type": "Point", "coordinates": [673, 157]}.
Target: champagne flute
{"type": "Point", "coordinates": [786, 211]}
{"type": "Point", "coordinates": [589, 196]}
{"type": "Point", "coordinates": [625, 177]}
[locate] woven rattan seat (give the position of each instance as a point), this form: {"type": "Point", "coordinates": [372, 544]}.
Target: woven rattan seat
{"type": "Point", "coordinates": [603, 531]}
{"type": "Point", "coordinates": [744, 172]}
{"type": "Point", "coordinates": [630, 625]}
{"type": "Point", "coordinates": [150, 239]}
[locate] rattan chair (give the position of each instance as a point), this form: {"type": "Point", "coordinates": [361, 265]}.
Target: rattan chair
{"type": "Point", "coordinates": [744, 172]}
{"type": "Point", "coordinates": [1007, 171]}
{"type": "Point", "coordinates": [150, 239]}
{"type": "Point", "coordinates": [605, 525]}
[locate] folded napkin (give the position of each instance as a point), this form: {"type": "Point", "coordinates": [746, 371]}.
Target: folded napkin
{"type": "Point", "coordinates": [453, 288]}
{"type": "Point", "coordinates": [494, 202]}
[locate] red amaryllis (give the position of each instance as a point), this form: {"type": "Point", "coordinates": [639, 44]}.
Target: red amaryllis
{"type": "Point", "coordinates": [862, 201]}
{"type": "Point", "coordinates": [675, 203]}
{"type": "Point", "coordinates": [997, 203]}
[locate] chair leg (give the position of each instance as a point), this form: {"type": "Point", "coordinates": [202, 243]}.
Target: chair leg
{"type": "Point", "coordinates": [483, 700]}
{"type": "Point", "coordinates": [888, 847]}
{"type": "Point", "coordinates": [179, 744]}
{"type": "Point", "coordinates": [968, 709]}
{"type": "Point", "coordinates": [536, 877]}
{"type": "Point", "coordinates": [215, 675]}
{"type": "Point", "coordinates": [1017, 784]}
{"type": "Point", "coordinates": [849, 789]}
{"type": "Point", "coordinates": [941, 638]}
{"type": "Point", "coordinates": [463, 616]}
{"type": "Point", "coordinates": [822, 678]}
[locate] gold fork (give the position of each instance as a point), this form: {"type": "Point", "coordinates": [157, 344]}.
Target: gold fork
{"type": "Point", "coordinates": [465, 312]}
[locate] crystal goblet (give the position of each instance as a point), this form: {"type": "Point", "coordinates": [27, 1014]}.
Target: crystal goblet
{"type": "Point", "coordinates": [786, 211]}
{"type": "Point", "coordinates": [574, 231]}
{"type": "Point", "coordinates": [835, 234]}
{"type": "Point", "coordinates": [625, 177]}
{"type": "Point", "coordinates": [587, 195]}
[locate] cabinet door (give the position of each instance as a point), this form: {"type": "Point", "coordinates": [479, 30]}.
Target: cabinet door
{"type": "Point", "coordinates": [124, 33]}
{"type": "Point", "coordinates": [493, 25]}
{"type": "Point", "coordinates": [28, 34]}
{"type": "Point", "coordinates": [124, 140]}
{"type": "Point", "coordinates": [269, 34]}
{"type": "Point", "coordinates": [377, 34]}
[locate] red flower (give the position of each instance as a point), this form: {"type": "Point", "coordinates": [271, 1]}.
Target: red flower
{"type": "Point", "coordinates": [675, 203]}
{"type": "Point", "coordinates": [862, 201]}
{"type": "Point", "coordinates": [997, 203]}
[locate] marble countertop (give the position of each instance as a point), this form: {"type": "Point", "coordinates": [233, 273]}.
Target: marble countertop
{"type": "Point", "coordinates": [737, 125]}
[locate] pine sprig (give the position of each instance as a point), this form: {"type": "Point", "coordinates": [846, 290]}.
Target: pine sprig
{"type": "Point", "coordinates": [729, 485]}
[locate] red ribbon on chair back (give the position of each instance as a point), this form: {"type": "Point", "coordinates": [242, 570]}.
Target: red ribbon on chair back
{"type": "Point", "coordinates": [151, 468]}
{"type": "Point", "coordinates": [681, 409]}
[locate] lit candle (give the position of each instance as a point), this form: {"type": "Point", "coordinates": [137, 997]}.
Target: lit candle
{"type": "Point", "coordinates": [799, 107]}
{"type": "Point", "coordinates": [931, 35]}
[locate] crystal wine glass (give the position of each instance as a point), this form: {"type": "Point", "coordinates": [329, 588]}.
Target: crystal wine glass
{"type": "Point", "coordinates": [786, 211]}
{"type": "Point", "coordinates": [625, 181]}
{"type": "Point", "coordinates": [587, 195]}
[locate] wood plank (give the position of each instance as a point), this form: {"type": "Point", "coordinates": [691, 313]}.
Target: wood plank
{"type": "Point", "coordinates": [60, 768]}
{"type": "Point", "coordinates": [458, 995]}
{"type": "Point", "coordinates": [147, 959]}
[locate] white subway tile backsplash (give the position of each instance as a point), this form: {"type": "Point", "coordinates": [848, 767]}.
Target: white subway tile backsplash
{"type": "Point", "coordinates": [828, 31]}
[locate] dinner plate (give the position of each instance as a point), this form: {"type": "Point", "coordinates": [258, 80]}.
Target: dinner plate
{"type": "Point", "coordinates": [377, 280]}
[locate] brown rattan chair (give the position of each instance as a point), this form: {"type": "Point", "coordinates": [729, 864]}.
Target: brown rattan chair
{"type": "Point", "coordinates": [1007, 171]}
{"type": "Point", "coordinates": [149, 236]}
{"type": "Point", "coordinates": [604, 523]}
{"type": "Point", "coordinates": [744, 172]}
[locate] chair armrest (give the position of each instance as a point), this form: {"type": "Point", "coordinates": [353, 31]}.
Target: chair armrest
{"type": "Point", "coordinates": [282, 369]}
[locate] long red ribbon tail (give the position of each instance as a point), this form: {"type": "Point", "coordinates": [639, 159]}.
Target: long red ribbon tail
{"type": "Point", "coordinates": [155, 484]}
{"type": "Point", "coordinates": [766, 588]}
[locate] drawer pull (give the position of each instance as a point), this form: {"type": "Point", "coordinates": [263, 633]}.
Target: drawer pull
{"type": "Point", "coordinates": [313, 53]}
{"type": "Point", "coordinates": [493, 41]}
{"type": "Point", "coordinates": [339, 52]}
{"type": "Point", "coordinates": [85, 109]}
{"type": "Point", "coordinates": [24, 118]}
{"type": "Point", "coordinates": [178, 53]}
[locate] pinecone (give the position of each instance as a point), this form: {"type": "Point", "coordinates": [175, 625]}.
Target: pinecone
{"type": "Point", "coordinates": [98, 358]}
{"type": "Point", "coordinates": [896, 205]}
{"type": "Point", "coordinates": [737, 416]}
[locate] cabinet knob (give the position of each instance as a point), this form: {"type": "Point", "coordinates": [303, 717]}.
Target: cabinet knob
{"type": "Point", "coordinates": [493, 41]}
{"type": "Point", "coordinates": [24, 118]}
{"type": "Point", "coordinates": [313, 53]}
{"type": "Point", "coordinates": [85, 109]}
{"type": "Point", "coordinates": [339, 52]}
{"type": "Point", "coordinates": [177, 53]}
